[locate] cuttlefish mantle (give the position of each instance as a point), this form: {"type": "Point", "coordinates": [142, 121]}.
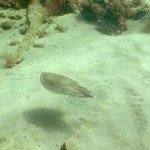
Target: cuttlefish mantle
{"type": "Point", "coordinates": [60, 84]}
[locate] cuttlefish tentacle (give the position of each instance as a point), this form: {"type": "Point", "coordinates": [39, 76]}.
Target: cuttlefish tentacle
{"type": "Point", "coordinates": [63, 85]}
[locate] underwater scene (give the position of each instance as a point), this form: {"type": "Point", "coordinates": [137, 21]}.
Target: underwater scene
{"type": "Point", "coordinates": [74, 74]}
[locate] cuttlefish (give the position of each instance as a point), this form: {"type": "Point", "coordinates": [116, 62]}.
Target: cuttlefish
{"type": "Point", "coordinates": [63, 85]}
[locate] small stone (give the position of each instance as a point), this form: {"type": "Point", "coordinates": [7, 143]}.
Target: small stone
{"type": "Point", "coordinates": [15, 42]}
{"type": "Point", "coordinates": [7, 25]}
{"type": "Point", "coordinates": [2, 15]}
{"type": "Point", "coordinates": [24, 29]}
{"type": "Point", "coordinates": [43, 34]}
{"type": "Point", "coordinates": [63, 147]}
{"type": "Point", "coordinates": [38, 45]}
{"type": "Point", "coordinates": [16, 17]}
{"type": "Point", "coordinates": [61, 28]}
{"type": "Point", "coordinates": [21, 24]}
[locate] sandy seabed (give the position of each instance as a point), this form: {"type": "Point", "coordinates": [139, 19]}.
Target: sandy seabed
{"type": "Point", "coordinates": [115, 68]}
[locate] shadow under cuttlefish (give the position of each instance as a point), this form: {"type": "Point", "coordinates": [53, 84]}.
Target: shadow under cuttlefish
{"type": "Point", "coordinates": [49, 119]}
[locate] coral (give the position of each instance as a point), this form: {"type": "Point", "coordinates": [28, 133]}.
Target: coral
{"type": "Point", "coordinates": [87, 11]}
{"type": "Point", "coordinates": [92, 11]}
{"type": "Point", "coordinates": [9, 4]}
{"type": "Point", "coordinates": [60, 7]}
{"type": "Point", "coordinates": [43, 2]}
{"type": "Point", "coordinates": [15, 3]}
{"type": "Point", "coordinates": [107, 27]}
{"type": "Point", "coordinates": [137, 2]}
{"type": "Point", "coordinates": [24, 3]}
{"type": "Point", "coordinates": [128, 11]}
{"type": "Point", "coordinates": [111, 15]}
{"type": "Point", "coordinates": [12, 58]}
{"type": "Point", "coordinates": [140, 12]}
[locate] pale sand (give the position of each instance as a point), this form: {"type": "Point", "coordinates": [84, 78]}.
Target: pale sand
{"type": "Point", "coordinates": [115, 68]}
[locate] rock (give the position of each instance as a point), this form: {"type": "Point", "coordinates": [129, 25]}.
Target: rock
{"type": "Point", "coordinates": [7, 25]}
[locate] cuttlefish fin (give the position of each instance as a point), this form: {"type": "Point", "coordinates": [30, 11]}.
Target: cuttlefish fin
{"type": "Point", "coordinates": [76, 91]}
